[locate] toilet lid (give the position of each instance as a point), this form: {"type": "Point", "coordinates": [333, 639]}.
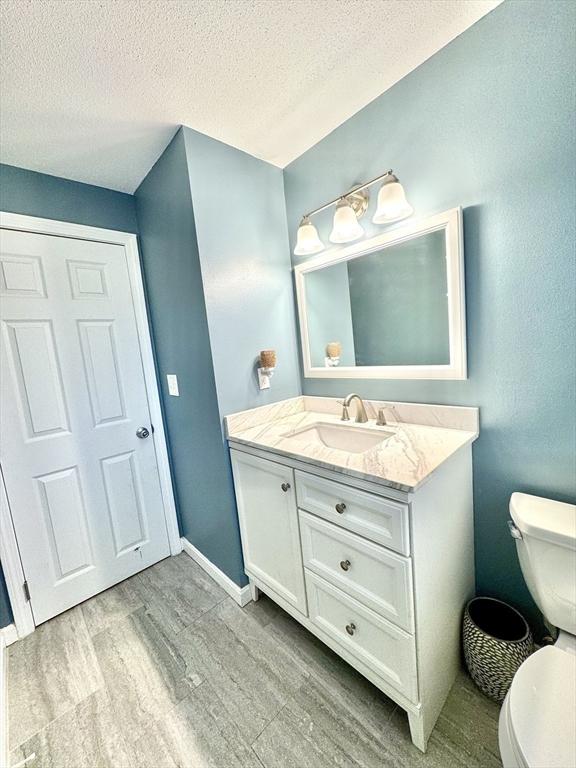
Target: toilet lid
{"type": "Point", "coordinates": [542, 706]}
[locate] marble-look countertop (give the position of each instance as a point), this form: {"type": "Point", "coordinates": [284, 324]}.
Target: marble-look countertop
{"type": "Point", "coordinates": [404, 461]}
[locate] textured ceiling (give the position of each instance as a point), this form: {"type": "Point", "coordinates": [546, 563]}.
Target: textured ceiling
{"type": "Point", "coordinates": [93, 90]}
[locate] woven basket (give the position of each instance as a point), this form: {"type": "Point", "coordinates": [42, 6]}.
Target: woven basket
{"type": "Point", "coordinates": [496, 641]}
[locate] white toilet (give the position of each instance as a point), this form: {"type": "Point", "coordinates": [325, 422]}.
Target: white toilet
{"type": "Point", "coordinates": [537, 726]}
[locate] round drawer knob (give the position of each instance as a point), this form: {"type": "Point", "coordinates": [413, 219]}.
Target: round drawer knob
{"type": "Point", "coordinates": [351, 628]}
{"type": "Point", "coordinates": [340, 507]}
{"type": "Point", "coordinates": [285, 487]}
{"type": "Point", "coordinates": [345, 564]}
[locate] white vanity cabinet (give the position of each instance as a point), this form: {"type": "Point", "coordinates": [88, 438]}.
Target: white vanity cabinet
{"type": "Point", "coordinates": [266, 499]}
{"type": "Point", "coordinates": [379, 575]}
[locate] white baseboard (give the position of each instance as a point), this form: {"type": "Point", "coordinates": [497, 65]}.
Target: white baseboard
{"type": "Point", "coordinates": [240, 594]}
{"type": "Point", "coordinates": [9, 634]}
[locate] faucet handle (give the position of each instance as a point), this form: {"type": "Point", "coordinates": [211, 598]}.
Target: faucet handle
{"type": "Point", "coordinates": [381, 421]}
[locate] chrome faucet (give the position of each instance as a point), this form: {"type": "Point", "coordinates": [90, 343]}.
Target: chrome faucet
{"type": "Point", "coordinates": [361, 417]}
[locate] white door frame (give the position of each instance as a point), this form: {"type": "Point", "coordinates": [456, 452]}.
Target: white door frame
{"type": "Point", "coordinates": [9, 553]}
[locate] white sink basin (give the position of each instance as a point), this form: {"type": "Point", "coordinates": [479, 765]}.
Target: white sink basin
{"type": "Point", "coordinates": [343, 437]}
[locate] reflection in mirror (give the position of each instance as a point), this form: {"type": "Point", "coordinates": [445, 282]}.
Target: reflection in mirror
{"type": "Point", "coordinates": [391, 307]}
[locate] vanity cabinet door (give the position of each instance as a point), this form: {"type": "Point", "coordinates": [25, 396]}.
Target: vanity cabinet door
{"type": "Point", "coordinates": [269, 526]}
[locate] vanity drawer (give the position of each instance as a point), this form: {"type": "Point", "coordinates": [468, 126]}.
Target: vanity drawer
{"type": "Point", "coordinates": [387, 650]}
{"type": "Point", "coordinates": [375, 576]}
{"type": "Point", "coordinates": [378, 519]}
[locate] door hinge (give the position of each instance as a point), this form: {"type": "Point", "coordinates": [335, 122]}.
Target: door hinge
{"type": "Point", "coordinates": [26, 591]}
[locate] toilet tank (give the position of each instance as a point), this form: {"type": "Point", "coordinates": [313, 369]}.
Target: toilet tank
{"type": "Point", "coordinates": [545, 533]}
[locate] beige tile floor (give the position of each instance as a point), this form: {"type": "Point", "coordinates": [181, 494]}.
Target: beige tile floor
{"type": "Point", "coordinates": [166, 670]}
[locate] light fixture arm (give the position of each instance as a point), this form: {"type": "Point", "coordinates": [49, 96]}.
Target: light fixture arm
{"type": "Point", "coordinates": [357, 188]}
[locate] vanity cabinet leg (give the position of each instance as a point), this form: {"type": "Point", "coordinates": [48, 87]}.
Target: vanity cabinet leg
{"type": "Point", "coordinates": [419, 738]}
{"type": "Point", "coordinates": [254, 592]}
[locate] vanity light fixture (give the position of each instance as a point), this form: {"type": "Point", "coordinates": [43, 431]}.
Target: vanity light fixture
{"type": "Point", "coordinates": [307, 240]}
{"type": "Point", "coordinates": [392, 206]}
{"type": "Point", "coordinates": [346, 228]}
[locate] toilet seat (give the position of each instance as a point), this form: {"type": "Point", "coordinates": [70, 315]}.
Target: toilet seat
{"type": "Point", "coordinates": [540, 710]}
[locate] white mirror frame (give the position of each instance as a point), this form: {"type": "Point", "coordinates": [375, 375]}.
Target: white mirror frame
{"type": "Point", "coordinates": [451, 222]}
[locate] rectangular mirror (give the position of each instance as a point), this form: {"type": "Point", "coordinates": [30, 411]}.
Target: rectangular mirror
{"type": "Point", "coordinates": [391, 307]}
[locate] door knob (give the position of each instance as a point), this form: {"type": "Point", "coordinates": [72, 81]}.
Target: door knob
{"type": "Point", "coordinates": [142, 433]}
{"type": "Point", "coordinates": [285, 487]}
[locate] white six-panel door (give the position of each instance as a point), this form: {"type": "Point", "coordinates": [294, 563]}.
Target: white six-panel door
{"type": "Point", "coordinates": [83, 489]}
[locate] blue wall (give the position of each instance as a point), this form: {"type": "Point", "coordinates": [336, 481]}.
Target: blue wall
{"type": "Point", "coordinates": [36, 194]}
{"type": "Point", "coordinates": [49, 197]}
{"type": "Point", "coordinates": [240, 216]}
{"type": "Point", "coordinates": [486, 123]}
{"type": "Point", "coordinates": [177, 309]}
{"type": "Point", "coordinates": [219, 290]}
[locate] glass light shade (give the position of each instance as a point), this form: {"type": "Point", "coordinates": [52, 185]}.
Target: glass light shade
{"type": "Point", "coordinates": [307, 240]}
{"type": "Point", "coordinates": [392, 204]}
{"type": "Point", "coordinates": [346, 227]}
